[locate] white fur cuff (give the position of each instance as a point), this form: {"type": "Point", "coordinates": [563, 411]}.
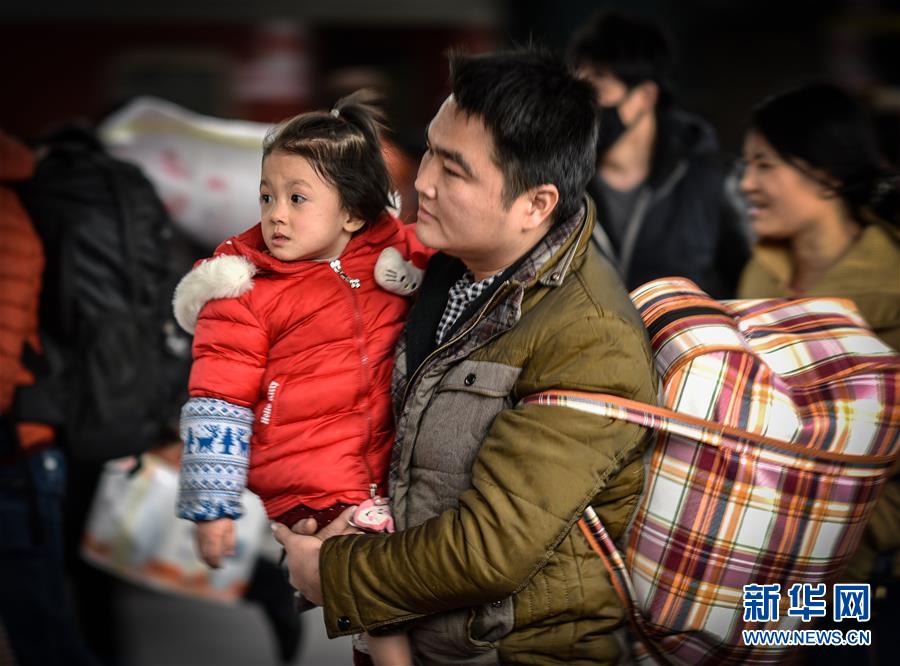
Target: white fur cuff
{"type": "Point", "coordinates": [225, 276]}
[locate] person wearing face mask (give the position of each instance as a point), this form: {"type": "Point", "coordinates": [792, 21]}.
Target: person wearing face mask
{"type": "Point", "coordinates": [660, 182]}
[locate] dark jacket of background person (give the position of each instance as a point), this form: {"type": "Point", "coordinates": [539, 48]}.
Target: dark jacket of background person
{"type": "Point", "coordinates": [38, 621]}
{"type": "Point", "coordinates": [663, 162]}
{"type": "Point", "coordinates": [682, 222]}
{"type": "Point", "coordinates": [556, 319]}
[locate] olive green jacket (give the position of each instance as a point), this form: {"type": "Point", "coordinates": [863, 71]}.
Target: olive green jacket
{"type": "Point", "coordinates": [488, 565]}
{"type": "Point", "coordinates": [868, 274]}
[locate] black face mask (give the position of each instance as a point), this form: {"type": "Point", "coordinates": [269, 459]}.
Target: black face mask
{"type": "Point", "coordinates": [611, 128]}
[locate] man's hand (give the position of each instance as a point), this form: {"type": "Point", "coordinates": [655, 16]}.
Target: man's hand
{"type": "Point", "coordinates": [215, 540]}
{"type": "Point", "coordinates": [302, 548]}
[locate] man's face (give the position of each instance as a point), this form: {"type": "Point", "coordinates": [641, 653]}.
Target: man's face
{"type": "Point", "coordinates": [460, 189]}
{"type": "Point", "coordinates": [632, 103]}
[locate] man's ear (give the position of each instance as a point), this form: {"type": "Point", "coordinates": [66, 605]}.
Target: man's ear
{"type": "Point", "coordinates": [353, 224]}
{"type": "Point", "coordinates": [541, 204]}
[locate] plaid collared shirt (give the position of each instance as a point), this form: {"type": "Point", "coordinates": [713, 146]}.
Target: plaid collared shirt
{"type": "Point", "coordinates": [463, 292]}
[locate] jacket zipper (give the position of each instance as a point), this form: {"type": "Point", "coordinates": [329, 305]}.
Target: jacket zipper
{"type": "Point", "coordinates": [503, 290]}
{"type": "Point", "coordinates": [337, 268]}
{"type": "Point", "coordinates": [633, 229]}
{"type": "Point", "coordinates": [358, 337]}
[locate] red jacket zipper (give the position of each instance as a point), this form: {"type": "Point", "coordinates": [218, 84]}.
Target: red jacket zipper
{"type": "Point", "coordinates": [359, 338]}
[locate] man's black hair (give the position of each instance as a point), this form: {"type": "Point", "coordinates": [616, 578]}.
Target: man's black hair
{"type": "Point", "coordinates": [543, 120]}
{"type": "Point", "coordinates": [631, 48]}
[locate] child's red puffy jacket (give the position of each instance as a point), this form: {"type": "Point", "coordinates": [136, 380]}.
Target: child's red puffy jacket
{"type": "Point", "coordinates": [310, 354]}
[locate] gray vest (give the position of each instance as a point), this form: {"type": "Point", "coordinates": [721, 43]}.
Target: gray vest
{"type": "Point", "coordinates": [440, 433]}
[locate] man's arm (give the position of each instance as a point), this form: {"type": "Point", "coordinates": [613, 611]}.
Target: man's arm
{"type": "Point", "coordinates": [538, 468]}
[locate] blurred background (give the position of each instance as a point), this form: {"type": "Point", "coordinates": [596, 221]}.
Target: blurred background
{"type": "Point", "coordinates": [265, 60]}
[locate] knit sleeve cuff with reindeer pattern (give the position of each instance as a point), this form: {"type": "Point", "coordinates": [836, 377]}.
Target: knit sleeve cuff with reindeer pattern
{"type": "Point", "coordinates": [216, 456]}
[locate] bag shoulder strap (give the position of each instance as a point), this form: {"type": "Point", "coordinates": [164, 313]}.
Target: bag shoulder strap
{"type": "Point", "coordinates": [604, 546]}
{"type": "Point", "coordinates": [666, 420]}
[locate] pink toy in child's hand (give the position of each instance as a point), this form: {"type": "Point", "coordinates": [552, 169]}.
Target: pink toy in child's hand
{"type": "Point", "coordinates": [373, 515]}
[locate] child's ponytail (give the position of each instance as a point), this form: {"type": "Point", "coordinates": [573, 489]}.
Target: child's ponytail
{"type": "Point", "coordinates": [360, 110]}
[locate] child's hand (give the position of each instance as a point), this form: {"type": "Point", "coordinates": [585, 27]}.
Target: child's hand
{"type": "Point", "coordinates": [338, 527]}
{"type": "Point", "coordinates": [215, 539]}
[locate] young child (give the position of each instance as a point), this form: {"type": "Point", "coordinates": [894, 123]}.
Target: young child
{"type": "Point", "coordinates": [293, 341]}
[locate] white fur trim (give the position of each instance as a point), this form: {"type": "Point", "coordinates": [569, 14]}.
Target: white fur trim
{"type": "Point", "coordinates": [225, 276]}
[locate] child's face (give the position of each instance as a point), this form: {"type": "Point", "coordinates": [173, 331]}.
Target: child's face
{"type": "Point", "coordinates": [302, 216]}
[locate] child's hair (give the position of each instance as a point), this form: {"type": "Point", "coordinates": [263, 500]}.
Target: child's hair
{"type": "Point", "coordinates": [343, 147]}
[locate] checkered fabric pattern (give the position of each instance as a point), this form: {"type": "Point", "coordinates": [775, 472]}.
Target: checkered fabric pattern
{"type": "Point", "coordinates": [463, 292]}
{"type": "Point", "coordinates": [780, 423]}
{"type": "Point", "coordinates": [490, 322]}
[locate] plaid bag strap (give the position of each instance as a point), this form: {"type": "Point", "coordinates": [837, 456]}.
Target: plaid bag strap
{"type": "Point", "coordinates": [684, 425]}
{"type": "Point", "coordinates": [639, 413]}
{"type": "Point", "coordinates": [602, 544]}
{"type": "Point", "coordinates": [611, 406]}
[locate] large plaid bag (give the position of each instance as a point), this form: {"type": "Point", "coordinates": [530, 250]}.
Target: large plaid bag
{"type": "Point", "coordinates": [778, 429]}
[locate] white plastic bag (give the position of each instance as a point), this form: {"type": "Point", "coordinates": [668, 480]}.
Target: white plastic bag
{"type": "Point", "coordinates": [132, 532]}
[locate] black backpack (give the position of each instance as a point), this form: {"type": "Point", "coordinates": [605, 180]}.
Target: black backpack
{"type": "Point", "coordinates": [114, 367]}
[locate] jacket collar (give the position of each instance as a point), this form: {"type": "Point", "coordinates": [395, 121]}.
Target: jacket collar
{"type": "Point", "coordinates": [547, 264]}
{"type": "Point", "coordinates": [680, 137]}
{"type": "Point", "coordinates": [574, 244]}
